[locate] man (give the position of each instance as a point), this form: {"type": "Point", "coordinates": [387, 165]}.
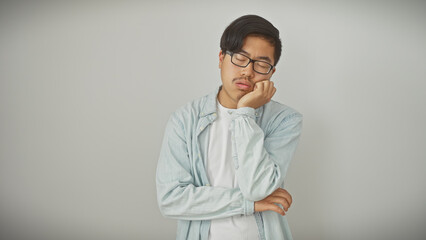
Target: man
{"type": "Point", "coordinates": [224, 156]}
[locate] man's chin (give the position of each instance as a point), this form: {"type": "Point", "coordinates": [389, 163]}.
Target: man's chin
{"type": "Point", "coordinates": [246, 92]}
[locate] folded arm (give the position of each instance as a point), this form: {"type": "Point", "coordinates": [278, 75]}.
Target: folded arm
{"type": "Point", "coordinates": [177, 195]}
{"type": "Point", "coordinates": [261, 161]}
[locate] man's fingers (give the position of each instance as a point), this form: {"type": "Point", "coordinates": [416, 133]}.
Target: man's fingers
{"type": "Point", "coordinates": [268, 89]}
{"type": "Point", "coordinates": [267, 86]}
{"type": "Point", "coordinates": [276, 209]}
{"type": "Point", "coordinates": [283, 193]}
{"type": "Point", "coordinates": [273, 91]}
{"type": "Point", "coordinates": [279, 200]}
{"type": "Point", "coordinates": [260, 86]}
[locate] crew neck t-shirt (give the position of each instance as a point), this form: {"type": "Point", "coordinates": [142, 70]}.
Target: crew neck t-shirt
{"type": "Point", "coordinates": [221, 173]}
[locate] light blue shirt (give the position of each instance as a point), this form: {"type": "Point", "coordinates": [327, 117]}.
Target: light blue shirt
{"type": "Point", "coordinates": [263, 143]}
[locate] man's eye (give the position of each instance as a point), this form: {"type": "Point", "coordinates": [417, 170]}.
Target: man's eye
{"type": "Point", "coordinates": [263, 65]}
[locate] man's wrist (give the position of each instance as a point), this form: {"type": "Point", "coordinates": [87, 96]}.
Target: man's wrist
{"type": "Point", "coordinates": [243, 105]}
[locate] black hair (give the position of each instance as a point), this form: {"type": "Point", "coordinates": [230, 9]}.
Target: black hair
{"type": "Point", "coordinates": [253, 25]}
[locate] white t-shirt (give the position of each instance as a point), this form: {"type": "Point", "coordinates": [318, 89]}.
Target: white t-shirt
{"type": "Point", "coordinates": [221, 173]}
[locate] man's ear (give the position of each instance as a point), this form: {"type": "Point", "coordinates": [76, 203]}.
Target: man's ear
{"type": "Point", "coordinates": [272, 73]}
{"type": "Point", "coordinates": [221, 56]}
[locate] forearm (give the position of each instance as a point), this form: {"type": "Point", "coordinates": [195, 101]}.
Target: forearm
{"type": "Point", "coordinates": [261, 163]}
{"type": "Point", "coordinates": [202, 203]}
{"type": "Point", "coordinates": [257, 174]}
{"type": "Point", "coordinates": [179, 196]}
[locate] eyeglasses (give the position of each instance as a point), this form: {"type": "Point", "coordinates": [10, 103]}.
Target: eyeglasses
{"type": "Point", "coordinates": [243, 61]}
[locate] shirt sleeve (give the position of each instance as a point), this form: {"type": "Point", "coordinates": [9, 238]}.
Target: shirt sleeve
{"type": "Point", "coordinates": [177, 195]}
{"type": "Point", "coordinates": [261, 161]}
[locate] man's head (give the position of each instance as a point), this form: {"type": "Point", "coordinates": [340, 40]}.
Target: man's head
{"type": "Point", "coordinates": [234, 35]}
{"type": "Point", "coordinates": [250, 49]}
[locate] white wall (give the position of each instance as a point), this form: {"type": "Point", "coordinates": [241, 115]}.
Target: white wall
{"type": "Point", "coordinates": [86, 89]}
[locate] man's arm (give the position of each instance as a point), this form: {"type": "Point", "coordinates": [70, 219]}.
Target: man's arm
{"type": "Point", "coordinates": [261, 161]}
{"type": "Point", "coordinates": [177, 195]}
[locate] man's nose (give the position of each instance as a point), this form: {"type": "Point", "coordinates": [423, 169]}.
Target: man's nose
{"type": "Point", "coordinates": [248, 70]}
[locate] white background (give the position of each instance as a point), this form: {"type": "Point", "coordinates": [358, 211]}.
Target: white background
{"type": "Point", "coordinates": [86, 89]}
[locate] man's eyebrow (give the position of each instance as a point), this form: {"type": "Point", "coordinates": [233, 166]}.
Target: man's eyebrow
{"type": "Point", "coordinates": [266, 58]}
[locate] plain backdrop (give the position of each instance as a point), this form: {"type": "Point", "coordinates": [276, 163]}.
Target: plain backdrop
{"type": "Point", "coordinates": [86, 88]}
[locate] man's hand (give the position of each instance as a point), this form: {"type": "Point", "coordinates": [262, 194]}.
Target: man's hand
{"type": "Point", "coordinates": [261, 94]}
{"type": "Point", "coordinates": [279, 196]}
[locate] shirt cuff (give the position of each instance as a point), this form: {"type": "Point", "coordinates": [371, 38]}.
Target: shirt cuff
{"type": "Point", "coordinates": [246, 111]}
{"type": "Point", "coordinates": [248, 207]}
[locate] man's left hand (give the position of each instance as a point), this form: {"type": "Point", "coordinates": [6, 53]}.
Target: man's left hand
{"type": "Point", "coordinates": [262, 94]}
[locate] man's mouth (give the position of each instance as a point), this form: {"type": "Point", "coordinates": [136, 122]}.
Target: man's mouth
{"type": "Point", "coordinates": [243, 84]}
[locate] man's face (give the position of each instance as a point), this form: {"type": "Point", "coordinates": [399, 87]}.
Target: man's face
{"type": "Point", "coordinates": [238, 81]}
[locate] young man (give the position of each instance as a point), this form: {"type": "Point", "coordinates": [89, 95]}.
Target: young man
{"type": "Point", "coordinates": [224, 156]}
